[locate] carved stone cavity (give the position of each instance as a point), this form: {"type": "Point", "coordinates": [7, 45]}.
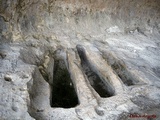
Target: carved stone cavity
{"type": "Point", "coordinates": [63, 91]}
{"type": "Point", "coordinates": [100, 86]}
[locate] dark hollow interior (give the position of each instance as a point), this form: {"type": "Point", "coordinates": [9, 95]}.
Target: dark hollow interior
{"type": "Point", "coordinates": [157, 71]}
{"type": "Point", "coordinates": [95, 81]}
{"type": "Point", "coordinates": [123, 74]}
{"type": "Point", "coordinates": [63, 91]}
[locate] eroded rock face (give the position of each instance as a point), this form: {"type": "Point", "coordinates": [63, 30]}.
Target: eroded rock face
{"type": "Point", "coordinates": [24, 18]}
{"type": "Point", "coordinates": [107, 60]}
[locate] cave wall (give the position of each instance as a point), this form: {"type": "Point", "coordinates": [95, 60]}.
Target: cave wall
{"type": "Point", "coordinates": [20, 18]}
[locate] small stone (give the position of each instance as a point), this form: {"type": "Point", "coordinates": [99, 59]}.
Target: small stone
{"type": "Point", "coordinates": [7, 78]}
{"type": "Point", "coordinates": [99, 111]}
{"type": "Point", "coordinates": [14, 108]}
{"type": "Point", "coordinates": [2, 55]}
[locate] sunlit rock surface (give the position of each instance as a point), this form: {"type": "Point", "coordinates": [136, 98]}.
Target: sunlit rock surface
{"type": "Point", "coordinates": [110, 50]}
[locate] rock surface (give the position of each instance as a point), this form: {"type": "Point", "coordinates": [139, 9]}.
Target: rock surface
{"type": "Point", "coordinates": [114, 44]}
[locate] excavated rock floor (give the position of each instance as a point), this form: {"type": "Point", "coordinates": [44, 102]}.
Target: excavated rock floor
{"type": "Point", "coordinates": [108, 77]}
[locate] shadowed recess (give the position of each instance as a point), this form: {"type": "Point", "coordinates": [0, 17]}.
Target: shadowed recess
{"type": "Point", "coordinates": [120, 69]}
{"type": "Point", "coordinates": [123, 74]}
{"type": "Point", "coordinates": [63, 92]}
{"type": "Point", "coordinates": [100, 86]}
